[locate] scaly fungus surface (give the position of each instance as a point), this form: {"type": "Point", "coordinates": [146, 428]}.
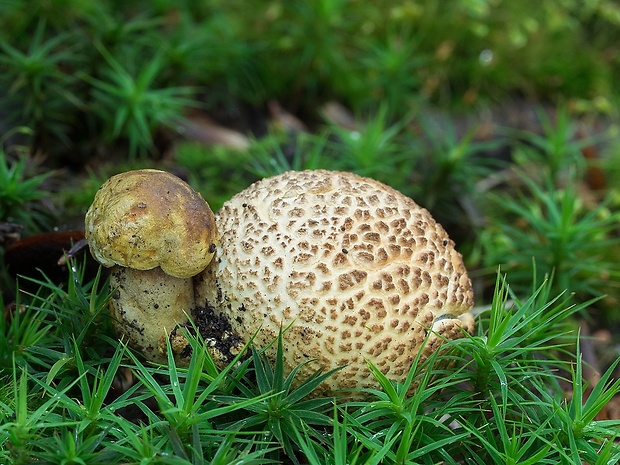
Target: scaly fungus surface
{"type": "Point", "coordinates": [350, 269]}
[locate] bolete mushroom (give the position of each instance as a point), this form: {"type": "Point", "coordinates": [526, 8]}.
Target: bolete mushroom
{"type": "Point", "coordinates": [155, 232]}
{"type": "Point", "coordinates": [348, 268]}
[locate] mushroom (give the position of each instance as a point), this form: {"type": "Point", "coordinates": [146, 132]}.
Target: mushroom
{"type": "Point", "coordinates": [349, 269]}
{"type": "Point", "coordinates": [156, 233]}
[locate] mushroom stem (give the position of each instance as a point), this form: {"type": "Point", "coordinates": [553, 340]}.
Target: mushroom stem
{"type": "Point", "coordinates": [147, 306]}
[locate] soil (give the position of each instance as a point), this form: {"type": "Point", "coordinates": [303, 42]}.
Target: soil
{"type": "Point", "coordinates": [223, 344]}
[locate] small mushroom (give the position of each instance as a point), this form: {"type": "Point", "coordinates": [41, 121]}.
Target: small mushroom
{"type": "Point", "coordinates": [350, 269]}
{"type": "Point", "coordinates": [155, 232]}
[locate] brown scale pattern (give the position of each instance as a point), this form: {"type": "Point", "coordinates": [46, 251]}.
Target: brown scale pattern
{"type": "Point", "coordinates": [352, 268]}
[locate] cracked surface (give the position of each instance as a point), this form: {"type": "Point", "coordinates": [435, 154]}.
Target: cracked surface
{"type": "Point", "coordinates": [355, 270]}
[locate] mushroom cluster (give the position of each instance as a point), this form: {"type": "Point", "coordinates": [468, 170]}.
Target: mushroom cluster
{"type": "Point", "coordinates": [348, 268]}
{"type": "Point", "coordinates": [156, 233]}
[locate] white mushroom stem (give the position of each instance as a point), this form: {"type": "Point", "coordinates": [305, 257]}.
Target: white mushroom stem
{"type": "Point", "coordinates": [147, 306]}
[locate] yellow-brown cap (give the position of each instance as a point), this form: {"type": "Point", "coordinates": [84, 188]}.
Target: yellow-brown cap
{"type": "Point", "coordinates": [145, 219]}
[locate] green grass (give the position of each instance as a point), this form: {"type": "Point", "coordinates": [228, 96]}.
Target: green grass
{"type": "Point", "coordinates": [87, 78]}
{"type": "Point", "coordinates": [501, 395]}
{"type": "Point", "coordinates": [20, 194]}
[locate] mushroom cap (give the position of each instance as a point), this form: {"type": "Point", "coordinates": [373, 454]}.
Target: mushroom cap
{"type": "Point", "coordinates": [351, 269]}
{"type": "Point", "coordinates": [145, 219]}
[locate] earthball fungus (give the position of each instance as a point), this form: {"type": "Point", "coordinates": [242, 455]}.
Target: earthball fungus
{"type": "Point", "coordinates": [350, 269]}
{"type": "Point", "coordinates": [155, 232]}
